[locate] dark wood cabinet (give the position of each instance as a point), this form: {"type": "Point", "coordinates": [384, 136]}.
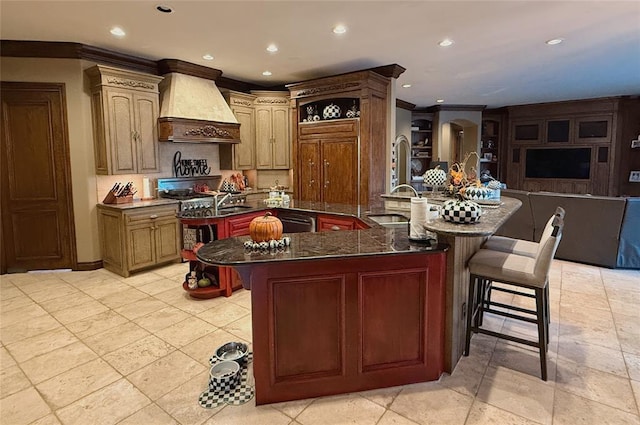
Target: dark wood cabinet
{"type": "Point", "coordinates": [491, 145]}
{"type": "Point", "coordinates": [349, 153]}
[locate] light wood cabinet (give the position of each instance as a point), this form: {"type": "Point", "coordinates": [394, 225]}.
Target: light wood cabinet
{"type": "Point", "coordinates": [273, 140]}
{"type": "Point", "coordinates": [241, 156]}
{"type": "Point", "coordinates": [125, 109]}
{"type": "Point", "coordinates": [137, 238]}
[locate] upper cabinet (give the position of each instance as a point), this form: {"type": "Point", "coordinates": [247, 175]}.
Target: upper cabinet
{"type": "Point", "coordinates": [490, 145]}
{"type": "Point", "coordinates": [241, 156]}
{"type": "Point", "coordinates": [273, 140]}
{"type": "Point", "coordinates": [125, 109]}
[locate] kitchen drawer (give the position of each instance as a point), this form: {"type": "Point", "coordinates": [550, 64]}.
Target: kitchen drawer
{"type": "Point", "coordinates": [151, 213]}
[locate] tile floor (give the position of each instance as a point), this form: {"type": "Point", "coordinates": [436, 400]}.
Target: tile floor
{"type": "Point", "coordinates": [95, 348]}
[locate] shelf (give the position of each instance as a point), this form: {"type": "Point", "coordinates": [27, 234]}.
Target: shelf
{"type": "Point", "coordinates": [420, 147]}
{"type": "Point", "coordinates": [203, 293]}
{"type": "Point", "coordinates": [189, 255]}
{"type": "Point", "coordinates": [422, 131]}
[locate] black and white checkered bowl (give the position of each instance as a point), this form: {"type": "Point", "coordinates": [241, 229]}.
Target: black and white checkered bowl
{"type": "Point", "coordinates": [331, 112]}
{"type": "Point", "coordinates": [478, 193]}
{"type": "Point", "coordinates": [224, 376]}
{"type": "Point", "coordinates": [461, 211]}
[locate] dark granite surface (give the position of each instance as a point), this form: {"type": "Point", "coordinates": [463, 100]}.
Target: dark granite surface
{"type": "Point", "coordinates": [377, 240]}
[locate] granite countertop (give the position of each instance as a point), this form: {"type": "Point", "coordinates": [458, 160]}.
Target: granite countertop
{"type": "Point", "coordinates": [138, 203]}
{"type": "Point", "coordinates": [377, 240]}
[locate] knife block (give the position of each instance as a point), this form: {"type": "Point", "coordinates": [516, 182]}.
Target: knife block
{"type": "Point", "coordinates": [113, 199]}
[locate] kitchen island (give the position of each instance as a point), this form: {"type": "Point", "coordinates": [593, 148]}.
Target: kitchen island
{"type": "Point", "coordinates": [347, 311]}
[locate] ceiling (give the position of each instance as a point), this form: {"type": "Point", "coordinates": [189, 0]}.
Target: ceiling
{"type": "Point", "coordinates": [499, 56]}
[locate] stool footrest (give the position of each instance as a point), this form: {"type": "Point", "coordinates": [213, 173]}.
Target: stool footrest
{"type": "Point", "coordinates": [508, 337]}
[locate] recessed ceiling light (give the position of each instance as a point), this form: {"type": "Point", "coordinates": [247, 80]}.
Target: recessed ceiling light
{"type": "Point", "coordinates": [339, 29]}
{"type": "Point", "coordinates": [266, 73]}
{"type": "Point", "coordinates": [446, 42]}
{"type": "Point", "coordinates": [118, 32]}
{"type": "Point", "coordinates": [272, 48]}
{"type": "Point", "coordinates": [207, 57]}
{"type": "Point", "coordinates": [164, 9]}
{"type": "Point", "coordinates": [554, 41]}
{"type": "Point", "coordinates": [406, 86]}
{"type": "Point", "coordinates": [440, 101]}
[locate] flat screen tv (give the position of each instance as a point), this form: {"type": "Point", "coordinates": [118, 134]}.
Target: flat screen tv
{"type": "Point", "coordinates": [566, 163]}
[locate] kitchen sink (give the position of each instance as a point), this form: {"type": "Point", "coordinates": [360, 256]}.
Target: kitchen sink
{"type": "Point", "coordinates": [231, 209]}
{"type": "Point", "coordinates": [390, 220]}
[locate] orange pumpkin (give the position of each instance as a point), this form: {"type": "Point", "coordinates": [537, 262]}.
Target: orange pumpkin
{"type": "Point", "coordinates": [263, 229]}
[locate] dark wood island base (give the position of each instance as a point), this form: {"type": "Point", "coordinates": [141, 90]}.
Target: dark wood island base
{"type": "Point", "coordinates": [323, 327]}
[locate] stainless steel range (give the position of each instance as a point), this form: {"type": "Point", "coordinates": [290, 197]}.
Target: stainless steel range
{"type": "Point", "coordinates": [196, 194]}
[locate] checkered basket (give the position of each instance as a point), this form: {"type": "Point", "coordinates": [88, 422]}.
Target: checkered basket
{"type": "Point", "coordinates": [478, 193]}
{"type": "Point", "coordinates": [461, 211]}
{"type": "Point", "coordinates": [331, 112]}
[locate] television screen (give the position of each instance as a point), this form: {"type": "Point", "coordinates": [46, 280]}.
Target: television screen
{"type": "Point", "coordinates": [569, 163]}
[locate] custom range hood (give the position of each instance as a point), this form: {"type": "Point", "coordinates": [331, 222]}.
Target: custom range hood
{"type": "Point", "coordinates": [192, 109]}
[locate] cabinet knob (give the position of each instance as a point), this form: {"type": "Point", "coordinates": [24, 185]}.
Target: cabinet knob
{"type": "Point", "coordinates": [334, 227]}
{"type": "Point", "coordinates": [153, 216]}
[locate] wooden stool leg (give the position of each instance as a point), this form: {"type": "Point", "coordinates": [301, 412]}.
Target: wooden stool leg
{"type": "Point", "coordinates": [542, 330]}
{"type": "Point", "coordinates": [471, 311]}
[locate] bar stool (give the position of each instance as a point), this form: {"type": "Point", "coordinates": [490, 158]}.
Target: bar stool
{"type": "Point", "coordinates": [521, 272]}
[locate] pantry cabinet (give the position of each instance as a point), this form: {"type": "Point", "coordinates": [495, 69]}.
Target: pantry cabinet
{"type": "Point", "coordinates": [273, 140]}
{"type": "Point", "coordinates": [132, 239]}
{"type": "Point", "coordinates": [125, 109]}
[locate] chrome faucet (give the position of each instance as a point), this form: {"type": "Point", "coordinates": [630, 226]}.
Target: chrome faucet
{"type": "Point", "coordinates": [405, 186]}
{"type": "Point", "coordinates": [218, 202]}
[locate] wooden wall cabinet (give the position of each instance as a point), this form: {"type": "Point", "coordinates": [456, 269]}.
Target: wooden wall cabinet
{"type": "Point", "coordinates": [125, 109]}
{"type": "Point", "coordinates": [273, 130]}
{"type": "Point", "coordinates": [137, 238]}
{"type": "Point", "coordinates": [241, 156]}
{"type": "Point", "coordinates": [339, 158]}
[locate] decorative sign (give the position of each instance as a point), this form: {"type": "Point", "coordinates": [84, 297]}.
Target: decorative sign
{"type": "Point", "coordinates": [189, 167]}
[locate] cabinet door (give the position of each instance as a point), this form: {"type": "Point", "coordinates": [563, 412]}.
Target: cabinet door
{"type": "Point", "coordinates": [239, 225]}
{"type": "Point", "coordinates": [141, 245]}
{"type": "Point", "coordinates": [339, 171]}
{"type": "Point", "coordinates": [146, 136]}
{"type": "Point", "coordinates": [334, 223]}
{"type": "Point", "coordinates": [264, 138]}
{"type": "Point", "coordinates": [121, 129]}
{"type": "Point", "coordinates": [244, 152]}
{"type": "Point", "coordinates": [281, 139]}
{"type": "Point", "coordinates": [309, 171]}
{"type": "Point", "coordinates": [167, 234]}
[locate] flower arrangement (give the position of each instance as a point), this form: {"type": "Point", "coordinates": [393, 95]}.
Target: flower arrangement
{"type": "Point", "coordinates": [460, 180]}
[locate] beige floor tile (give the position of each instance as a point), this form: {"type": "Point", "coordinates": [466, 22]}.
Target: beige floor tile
{"type": "Point", "coordinates": [172, 270]}
{"type": "Point", "coordinates": [10, 292]}
{"type": "Point", "coordinates": [139, 279]}
{"type": "Point", "coordinates": [582, 285]}
{"type": "Point", "coordinates": [165, 374]}
{"type": "Point", "coordinates": [16, 303]}
{"type": "Point", "coordinates": [103, 288]}
{"type": "Point", "coordinates": [62, 303]}
{"type": "Point", "coordinates": [520, 394]}
{"type": "Point", "coordinates": [180, 299]}
{"type": "Point", "coordinates": [181, 403]}
{"type": "Point", "coordinates": [160, 285]}
{"type": "Point", "coordinates": [629, 342]}
{"type": "Point", "coordinates": [13, 380]}
{"type": "Point", "coordinates": [23, 407]}
{"type": "Point", "coordinates": [106, 406]}
{"type": "Point", "coordinates": [595, 385]}
{"type": "Point", "coordinates": [6, 360]}
{"type": "Point", "coordinates": [185, 332]}
{"type": "Point", "coordinates": [46, 342]}
{"type": "Point", "coordinates": [635, 385]}
{"type": "Point", "coordinates": [27, 329]}
{"type": "Point", "coordinates": [224, 314]}
{"type": "Point", "coordinates": [50, 419]}
{"type": "Point", "coordinates": [578, 410]}
{"type": "Point", "coordinates": [249, 414]}
{"type": "Point", "coordinates": [202, 349]}
{"type": "Point", "coordinates": [115, 338]}
{"type": "Point", "coordinates": [82, 311]}
{"type": "Point", "coordinates": [292, 408]}
{"type": "Point", "coordinates": [140, 308]}
{"type": "Point", "coordinates": [149, 415]}
{"type": "Point", "coordinates": [123, 297]}
{"type": "Point", "coordinates": [392, 418]}
{"type": "Point", "coordinates": [161, 319]}
{"type": "Point", "coordinates": [623, 307]}
{"type": "Point", "coordinates": [633, 365]}
{"type": "Point", "coordinates": [438, 404]}
{"type": "Point", "coordinates": [38, 285]}
{"type": "Point", "coordinates": [53, 363]}
{"type": "Point", "coordinates": [62, 290]}
{"type": "Point", "coordinates": [577, 300]}
{"type": "Point", "coordinates": [467, 375]}
{"type": "Point", "coordinates": [593, 356]}
{"type": "Point", "coordinates": [78, 382]}
{"type": "Point", "coordinates": [622, 293]}
{"type": "Point", "coordinates": [138, 354]}
{"type": "Point", "coordinates": [486, 414]}
{"type": "Point", "coordinates": [382, 396]}
{"type": "Point", "coordinates": [96, 324]}
{"type": "Point", "coordinates": [241, 297]}
{"type": "Point", "coordinates": [523, 359]}
{"type": "Point", "coordinates": [605, 336]}
{"type": "Point", "coordinates": [241, 328]}
{"type": "Point", "coordinates": [25, 314]}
